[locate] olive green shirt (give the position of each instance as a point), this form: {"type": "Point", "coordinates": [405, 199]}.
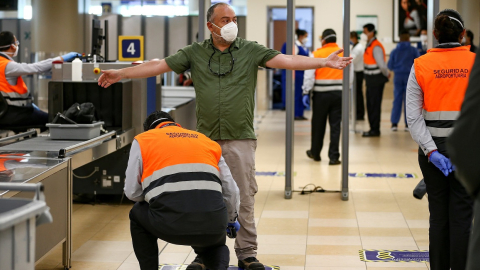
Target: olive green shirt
{"type": "Point", "coordinates": [225, 104]}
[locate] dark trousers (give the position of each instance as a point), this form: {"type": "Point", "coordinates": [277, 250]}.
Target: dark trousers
{"type": "Point", "coordinates": [23, 116]}
{"type": "Point", "coordinates": [375, 85]}
{"type": "Point", "coordinates": [450, 218]}
{"type": "Point", "coordinates": [326, 105]}
{"type": "Point", "coordinates": [145, 231]}
{"type": "Point", "coordinates": [359, 89]}
{"type": "Point", "coordinates": [473, 262]}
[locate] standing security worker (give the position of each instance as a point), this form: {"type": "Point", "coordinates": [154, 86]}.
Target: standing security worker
{"type": "Point", "coordinates": [21, 111]}
{"type": "Point", "coordinates": [435, 92]}
{"type": "Point", "coordinates": [327, 100]}
{"type": "Point", "coordinates": [185, 194]}
{"type": "Point", "coordinates": [376, 75]}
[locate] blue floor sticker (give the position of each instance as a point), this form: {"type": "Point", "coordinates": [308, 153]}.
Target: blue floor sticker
{"type": "Point", "coordinates": [184, 266]}
{"type": "Point", "coordinates": [369, 255]}
{"type": "Point", "coordinates": [272, 173]}
{"type": "Point", "coordinates": [383, 175]}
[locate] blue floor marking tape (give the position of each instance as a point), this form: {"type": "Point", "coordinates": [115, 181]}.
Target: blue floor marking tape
{"type": "Point", "coordinates": [272, 173]}
{"type": "Point", "coordinates": [370, 255]}
{"type": "Point", "coordinates": [184, 266]}
{"type": "Point", "coordinates": [383, 175]}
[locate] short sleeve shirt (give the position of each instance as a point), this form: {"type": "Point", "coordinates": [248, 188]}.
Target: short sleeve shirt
{"type": "Point", "coordinates": [224, 103]}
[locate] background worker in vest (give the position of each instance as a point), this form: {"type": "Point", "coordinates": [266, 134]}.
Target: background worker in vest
{"type": "Point", "coordinates": [185, 194]}
{"type": "Point", "coordinates": [224, 72]}
{"type": "Point", "coordinates": [357, 54]}
{"type": "Point", "coordinates": [326, 84]}
{"type": "Point", "coordinates": [376, 75]}
{"type": "Point", "coordinates": [435, 92]}
{"type": "Point", "coordinates": [300, 49]}
{"type": "Point", "coordinates": [21, 111]}
{"type": "Point", "coordinates": [400, 62]}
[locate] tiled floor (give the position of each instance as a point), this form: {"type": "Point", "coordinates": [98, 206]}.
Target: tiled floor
{"type": "Point", "coordinates": [316, 231]}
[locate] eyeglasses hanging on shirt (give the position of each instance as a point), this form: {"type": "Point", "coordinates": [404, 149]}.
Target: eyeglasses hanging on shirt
{"type": "Point", "coordinates": [232, 62]}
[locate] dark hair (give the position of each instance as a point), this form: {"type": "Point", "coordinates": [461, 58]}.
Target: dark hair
{"type": "Point", "coordinates": [446, 29]}
{"type": "Point", "coordinates": [211, 10]}
{"type": "Point", "coordinates": [404, 35]}
{"type": "Point", "coordinates": [151, 121]}
{"type": "Point", "coordinates": [300, 32]}
{"type": "Point", "coordinates": [6, 38]}
{"type": "Point", "coordinates": [412, 5]}
{"type": "Point", "coordinates": [328, 32]}
{"type": "Point", "coordinates": [354, 34]}
{"type": "Point", "coordinates": [470, 35]}
{"type": "Point", "coordinates": [371, 28]}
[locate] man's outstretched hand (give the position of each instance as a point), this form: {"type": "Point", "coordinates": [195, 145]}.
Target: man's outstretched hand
{"type": "Point", "coordinates": [337, 62]}
{"type": "Point", "coordinates": [109, 77]}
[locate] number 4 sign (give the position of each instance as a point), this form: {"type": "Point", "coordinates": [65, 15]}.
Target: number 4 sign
{"type": "Point", "coordinates": [130, 48]}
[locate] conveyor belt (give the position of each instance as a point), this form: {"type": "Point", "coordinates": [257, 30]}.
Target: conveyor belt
{"type": "Point", "coordinates": [39, 144]}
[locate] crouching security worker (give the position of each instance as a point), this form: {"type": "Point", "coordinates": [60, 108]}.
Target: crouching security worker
{"type": "Point", "coordinates": [21, 111]}
{"type": "Point", "coordinates": [435, 92]}
{"type": "Point", "coordinates": [185, 194]}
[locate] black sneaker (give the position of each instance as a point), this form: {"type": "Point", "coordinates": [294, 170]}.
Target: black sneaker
{"type": "Point", "coordinates": [250, 263]}
{"type": "Point", "coordinates": [197, 264]}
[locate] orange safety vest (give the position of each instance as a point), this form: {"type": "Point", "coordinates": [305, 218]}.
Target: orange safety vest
{"type": "Point", "coordinates": [369, 62]}
{"type": "Point", "coordinates": [328, 79]}
{"type": "Point", "coordinates": [181, 179]}
{"type": "Point", "coordinates": [16, 95]}
{"type": "Point", "coordinates": [443, 75]}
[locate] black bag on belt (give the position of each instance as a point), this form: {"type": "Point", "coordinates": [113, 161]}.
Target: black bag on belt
{"type": "Point", "coordinates": [79, 113]}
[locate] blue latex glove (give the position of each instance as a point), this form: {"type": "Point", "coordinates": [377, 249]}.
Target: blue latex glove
{"type": "Point", "coordinates": [232, 229]}
{"type": "Point", "coordinates": [306, 101]}
{"type": "Point", "coordinates": [70, 56]}
{"type": "Point", "coordinates": [441, 162]}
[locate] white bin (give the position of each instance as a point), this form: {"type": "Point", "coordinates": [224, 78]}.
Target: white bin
{"type": "Point", "coordinates": [74, 132]}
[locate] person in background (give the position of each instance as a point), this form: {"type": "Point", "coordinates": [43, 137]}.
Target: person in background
{"type": "Point", "coordinates": [464, 146]}
{"type": "Point", "coordinates": [184, 193]}
{"type": "Point", "coordinates": [327, 86]}
{"type": "Point", "coordinates": [469, 41]}
{"type": "Point", "coordinates": [421, 6]}
{"type": "Point", "coordinates": [357, 54]}
{"type": "Point", "coordinates": [422, 44]}
{"type": "Point", "coordinates": [224, 72]}
{"type": "Point", "coordinates": [376, 75]}
{"type": "Point", "coordinates": [21, 110]}
{"type": "Point", "coordinates": [435, 92]}
{"type": "Point", "coordinates": [300, 49]}
{"type": "Point", "coordinates": [400, 62]}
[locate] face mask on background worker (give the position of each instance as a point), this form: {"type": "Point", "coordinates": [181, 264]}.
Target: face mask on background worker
{"type": "Point", "coordinates": [304, 41]}
{"type": "Point", "coordinates": [228, 32]}
{"type": "Point", "coordinates": [423, 38]}
{"type": "Point", "coordinates": [16, 49]}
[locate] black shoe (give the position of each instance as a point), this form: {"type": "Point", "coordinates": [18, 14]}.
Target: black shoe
{"type": "Point", "coordinates": [360, 119]}
{"type": "Point", "coordinates": [310, 155]}
{"type": "Point", "coordinates": [394, 127]}
{"type": "Point", "coordinates": [334, 162]}
{"type": "Point", "coordinates": [371, 134]}
{"type": "Point", "coordinates": [197, 264]}
{"type": "Point", "coordinates": [250, 263]}
{"type": "Point", "coordinates": [301, 118]}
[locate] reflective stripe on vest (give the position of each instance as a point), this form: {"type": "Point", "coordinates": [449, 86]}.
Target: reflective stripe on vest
{"type": "Point", "coordinates": [443, 75]}
{"type": "Point", "coordinates": [183, 186]}
{"type": "Point", "coordinates": [176, 160]}
{"type": "Point", "coordinates": [369, 62]}
{"type": "Point", "coordinates": [327, 79]}
{"type": "Point", "coordinates": [16, 95]}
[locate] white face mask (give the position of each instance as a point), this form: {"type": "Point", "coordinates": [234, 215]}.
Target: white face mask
{"type": "Point", "coordinates": [304, 41]}
{"type": "Point", "coordinates": [423, 38]}
{"type": "Point", "coordinates": [464, 40]}
{"type": "Point", "coordinates": [228, 32]}
{"type": "Point", "coordinates": [363, 36]}
{"type": "Point", "coordinates": [16, 50]}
